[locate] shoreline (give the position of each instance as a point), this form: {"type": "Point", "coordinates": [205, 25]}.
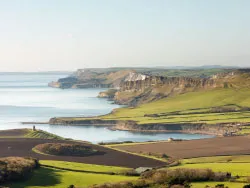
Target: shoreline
{"type": "Point", "coordinates": [115, 127]}
{"type": "Point", "coordinates": [167, 131]}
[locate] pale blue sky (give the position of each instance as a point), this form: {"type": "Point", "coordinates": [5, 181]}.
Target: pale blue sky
{"type": "Point", "coordinates": [37, 35]}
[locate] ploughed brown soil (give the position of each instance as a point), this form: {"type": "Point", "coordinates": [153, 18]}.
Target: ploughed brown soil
{"type": "Point", "coordinates": [13, 132]}
{"type": "Point", "coordinates": [22, 147]}
{"type": "Point", "coordinates": [196, 148]}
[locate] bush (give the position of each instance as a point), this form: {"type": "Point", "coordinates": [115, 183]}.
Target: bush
{"type": "Point", "coordinates": [220, 186]}
{"type": "Point", "coordinates": [16, 168]}
{"type": "Point", "coordinates": [177, 178]}
{"type": "Point", "coordinates": [131, 172]}
{"type": "Point", "coordinates": [66, 149]}
{"type": "Point", "coordinates": [115, 185]}
{"type": "Point", "coordinates": [180, 176]}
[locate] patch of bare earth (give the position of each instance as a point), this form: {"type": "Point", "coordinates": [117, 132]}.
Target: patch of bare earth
{"type": "Point", "coordinates": [14, 132]}
{"type": "Point", "coordinates": [235, 145]}
{"type": "Point", "coordinates": [22, 147]}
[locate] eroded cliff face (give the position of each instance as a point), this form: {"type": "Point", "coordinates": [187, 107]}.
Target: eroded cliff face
{"type": "Point", "coordinates": [176, 83]}
{"type": "Point", "coordinates": [139, 88]}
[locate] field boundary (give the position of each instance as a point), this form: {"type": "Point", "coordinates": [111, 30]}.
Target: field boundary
{"type": "Point", "coordinates": [83, 171]}
{"type": "Point", "coordinates": [138, 154]}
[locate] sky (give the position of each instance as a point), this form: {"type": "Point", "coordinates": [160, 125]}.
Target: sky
{"type": "Point", "coordinates": [49, 35]}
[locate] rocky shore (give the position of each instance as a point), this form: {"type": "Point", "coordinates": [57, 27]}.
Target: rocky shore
{"type": "Point", "coordinates": [222, 129]}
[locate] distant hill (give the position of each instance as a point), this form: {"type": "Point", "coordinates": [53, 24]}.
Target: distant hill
{"type": "Point", "coordinates": [114, 76]}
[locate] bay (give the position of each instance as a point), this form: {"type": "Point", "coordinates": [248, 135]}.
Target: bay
{"type": "Point", "coordinates": [27, 97]}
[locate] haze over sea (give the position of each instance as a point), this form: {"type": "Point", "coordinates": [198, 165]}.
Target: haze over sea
{"type": "Point", "coordinates": [27, 97]}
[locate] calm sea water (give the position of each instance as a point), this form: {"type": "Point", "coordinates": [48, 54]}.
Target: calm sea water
{"type": "Point", "coordinates": [26, 97]}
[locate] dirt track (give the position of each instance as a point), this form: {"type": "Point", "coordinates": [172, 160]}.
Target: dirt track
{"type": "Point", "coordinates": [22, 147]}
{"type": "Point", "coordinates": [196, 148]}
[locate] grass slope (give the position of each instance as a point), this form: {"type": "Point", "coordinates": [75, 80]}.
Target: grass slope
{"type": "Point", "coordinates": [53, 178]}
{"type": "Point", "coordinates": [43, 135]}
{"type": "Point", "coordinates": [191, 107]}
{"type": "Point", "coordinates": [83, 166]}
{"type": "Point", "coordinates": [218, 159]}
{"type": "Point", "coordinates": [240, 169]}
{"type": "Point", "coordinates": [238, 165]}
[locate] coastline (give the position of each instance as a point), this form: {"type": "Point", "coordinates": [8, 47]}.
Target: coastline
{"type": "Point", "coordinates": [132, 126]}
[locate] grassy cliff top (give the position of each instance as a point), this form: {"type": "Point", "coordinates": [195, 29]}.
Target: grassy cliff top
{"type": "Point", "coordinates": [225, 104]}
{"type": "Point", "coordinates": [191, 107]}
{"type": "Point", "coordinates": [28, 133]}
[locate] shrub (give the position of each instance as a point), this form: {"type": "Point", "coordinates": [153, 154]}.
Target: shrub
{"type": "Point", "coordinates": [131, 172]}
{"type": "Point", "coordinates": [220, 186]}
{"type": "Point", "coordinates": [180, 176]}
{"type": "Point", "coordinates": [115, 185]}
{"type": "Point", "coordinates": [16, 168]}
{"type": "Point", "coordinates": [164, 155]}
{"type": "Point", "coordinates": [66, 149]}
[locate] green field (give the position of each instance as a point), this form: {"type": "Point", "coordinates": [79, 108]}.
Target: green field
{"type": "Point", "coordinates": [237, 165]}
{"type": "Point", "coordinates": [240, 169]}
{"type": "Point", "coordinates": [218, 159]}
{"type": "Point", "coordinates": [191, 107]}
{"type": "Point", "coordinates": [54, 178]}
{"type": "Point", "coordinates": [83, 166]}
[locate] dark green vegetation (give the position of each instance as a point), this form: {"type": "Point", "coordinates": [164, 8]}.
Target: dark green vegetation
{"type": "Point", "coordinates": [16, 168]}
{"type": "Point", "coordinates": [238, 166]}
{"type": "Point", "coordinates": [64, 149]}
{"type": "Point", "coordinates": [56, 178]}
{"type": "Point", "coordinates": [170, 178]}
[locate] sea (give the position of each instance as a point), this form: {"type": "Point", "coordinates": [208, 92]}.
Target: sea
{"type": "Point", "coordinates": [26, 97]}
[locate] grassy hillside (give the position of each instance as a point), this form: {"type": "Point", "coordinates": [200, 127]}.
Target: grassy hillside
{"type": "Point", "coordinates": [83, 166]}
{"type": "Point", "coordinates": [237, 165]}
{"type": "Point", "coordinates": [53, 178]}
{"type": "Point", "coordinates": [28, 133]}
{"type": "Point", "coordinates": [43, 135]}
{"type": "Point", "coordinates": [191, 107]}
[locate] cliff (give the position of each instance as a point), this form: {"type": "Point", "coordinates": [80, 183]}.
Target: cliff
{"type": "Point", "coordinates": [216, 105]}
{"type": "Point", "coordinates": [135, 88]}
{"type": "Point", "coordinates": [109, 94]}
{"type": "Point", "coordinates": [113, 77]}
{"type": "Point", "coordinates": [88, 78]}
{"type": "Point", "coordinates": [138, 88]}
